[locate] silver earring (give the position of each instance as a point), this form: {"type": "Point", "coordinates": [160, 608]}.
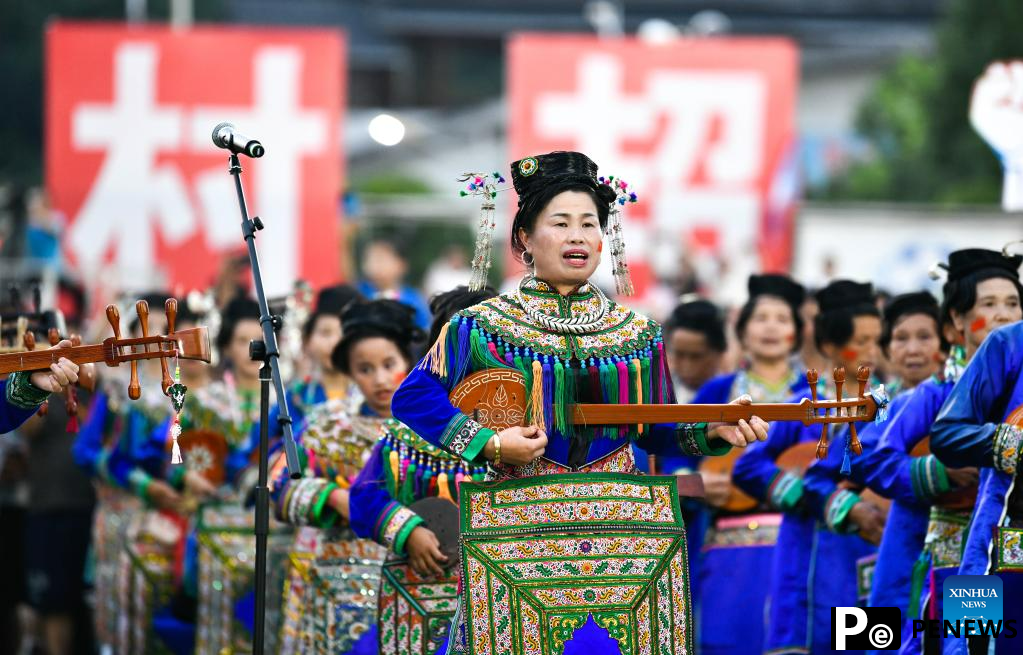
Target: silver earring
{"type": "Point", "coordinates": [529, 262]}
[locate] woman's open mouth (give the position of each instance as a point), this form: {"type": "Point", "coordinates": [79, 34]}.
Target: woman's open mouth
{"type": "Point", "coordinates": [575, 258]}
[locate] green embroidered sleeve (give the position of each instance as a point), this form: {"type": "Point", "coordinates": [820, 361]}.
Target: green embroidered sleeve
{"type": "Point", "coordinates": [23, 394]}
{"type": "Point", "coordinates": [785, 490]}
{"type": "Point", "coordinates": [1006, 448]}
{"type": "Point", "coordinates": [466, 438]}
{"type": "Point", "coordinates": [395, 525]}
{"type": "Point", "coordinates": [929, 478]}
{"type": "Point", "coordinates": [692, 438]}
{"type": "Point", "coordinates": [140, 481]}
{"type": "Point", "coordinates": [837, 509]}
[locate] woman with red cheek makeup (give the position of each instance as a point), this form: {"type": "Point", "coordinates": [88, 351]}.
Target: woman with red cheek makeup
{"type": "Point", "coordinates": [742, 531]}
{"type": "Point", "coordinates": [814, 569]}
{"type": "Point", "coordinates": [567, 342]}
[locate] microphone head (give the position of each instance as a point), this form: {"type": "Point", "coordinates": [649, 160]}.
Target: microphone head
{"type": "Point", "coordinates": [221, 133]}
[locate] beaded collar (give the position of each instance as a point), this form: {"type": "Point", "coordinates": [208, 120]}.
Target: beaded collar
{"type": "Point", "coordinates": [619, 332]}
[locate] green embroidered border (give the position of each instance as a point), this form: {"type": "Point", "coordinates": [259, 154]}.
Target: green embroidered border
{"type": "Point", "coordinates": [1006, 447]}
{"type": "Point", "coordinates": [640, 602]}
{"type": "Point", "coordinates": [1007, 539]}
{"type": "Point", "coordinates": [666, 485]}
{"type": "Point", "coordinates": [22, 393]}
{"type": "Point", "coordinates": [414, 614]}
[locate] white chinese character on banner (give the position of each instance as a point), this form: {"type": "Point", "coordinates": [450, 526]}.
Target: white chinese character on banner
{"type": "Point", "coordinates": [132, 194]}
{"type": "Point", "coordinates": [289, 133]}
{"type": "Point", "coordinates": [701, 169]}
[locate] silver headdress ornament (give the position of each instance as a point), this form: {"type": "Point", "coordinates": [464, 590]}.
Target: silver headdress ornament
{"type": "Point", "coordinates": [483, 186]}
{"type": "Point", "coordinates": [623, 279]}
{"type": "Point", "coordinates": [1007, 249]}
{"type": "Point", "coordinates": [938, 271]}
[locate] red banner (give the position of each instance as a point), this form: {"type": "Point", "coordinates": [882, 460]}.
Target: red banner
{"type": "Point", "coordinates": [129, 157]}
{"type": "Point", "coordinates": [703, 129]}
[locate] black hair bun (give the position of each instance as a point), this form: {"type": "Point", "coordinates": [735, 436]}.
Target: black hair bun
{"type": "Point", "coordinates": [917, 302]}
{"type": "Point", "coordinates": [389, 319]}
{"type": "Point", "coordinates": [842, 294]}
{"type": "Point", "coordinates": [970, 260]}
{"type": "Point", "coordinates": [781, 286]}
{"type": "Point", "coordinates": [237, 310]}
{"type": "Point", "coordinates": [446, 304]}
{"type": "Point", "coordinates": [606, 194]}
{"type": "Point", "coordinates": [387, 316]}
{"type": "Point", "coordinates": [333, 300]}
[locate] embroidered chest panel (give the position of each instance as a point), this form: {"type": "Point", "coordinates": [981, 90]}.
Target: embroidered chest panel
{"type": "Point", "coordinates": [341, 441]}
{"type": "Point", "coordinates": [219, 408]}
{"type": "Point", "coordinates": [619, 333]}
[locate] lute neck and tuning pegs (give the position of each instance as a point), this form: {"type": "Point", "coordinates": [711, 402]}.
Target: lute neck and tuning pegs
{"type": "Point", "coordinates": [134, 388]}
{"type": "Point", "coordinates": [170, 308]}
{"type": "Point", "coordinates": [114, 318]}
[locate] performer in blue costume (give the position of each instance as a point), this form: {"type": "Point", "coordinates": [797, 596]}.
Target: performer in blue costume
{"type": "Point", "coordinates": [980, 425]}
{"type": "Point", "coordinates": [568, 341]}
{"type": "Point", "coordinates": [813, 568]}
{"type": "Point", "coordinates": [913, 344]}
{"type": "Point", "coordinates": [740, 543]}
{"type": "Point", "coordinates": [402, 469]}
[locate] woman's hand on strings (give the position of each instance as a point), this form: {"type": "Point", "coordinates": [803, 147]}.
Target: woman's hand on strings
{"type": "Point", "coordinates": [59, 376]}
{"type": "Point", "coordinates": [744, 432]}
{"type": "Point", "coordinates": [519, 445]}
{"type": "Point", "coordinates": [424, 552]}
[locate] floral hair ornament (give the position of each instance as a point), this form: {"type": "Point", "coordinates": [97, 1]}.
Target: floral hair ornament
{"type": "Point", "coordinates": [623, 279]}
{"type": "Point", "coordinates": [482, 186]}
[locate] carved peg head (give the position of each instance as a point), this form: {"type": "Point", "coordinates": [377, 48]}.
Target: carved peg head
{"type": "Point", "coordinates": [114, 318]}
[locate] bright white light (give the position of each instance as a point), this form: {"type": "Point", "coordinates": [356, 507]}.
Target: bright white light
{"type": "Point", "coordinates": [386, 130]}
{"type": "Point", "coordinates": [657, 31]}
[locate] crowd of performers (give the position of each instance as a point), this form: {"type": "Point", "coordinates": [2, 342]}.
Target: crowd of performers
{"type": "Point", "coordinates": [778, 538]}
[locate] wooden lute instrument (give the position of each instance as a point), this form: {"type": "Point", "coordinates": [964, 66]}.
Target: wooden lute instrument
{"type": "Point", "coordinates": [191, 343]}
{"type": "Point", "coordinates": [497, 399]}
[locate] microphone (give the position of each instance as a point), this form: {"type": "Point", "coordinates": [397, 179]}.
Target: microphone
{"type": "Point", "coordinates": [226, 137]}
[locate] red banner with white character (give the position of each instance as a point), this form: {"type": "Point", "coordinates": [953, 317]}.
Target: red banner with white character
{"type": "Point", "coordinates": [129, 158]}
{"type": "Point", "coordinates": [702, 129]}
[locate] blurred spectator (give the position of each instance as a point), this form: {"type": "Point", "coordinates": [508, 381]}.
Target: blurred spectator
{"type": "Point", "coordinates": [13, 492]}
{"type": "Point", "coordinates": [58, 529]}
{"type": "Point", "coordinates": [384, 269]}
{"type": "Point", "coordinates": [44, 229]}
{"type": "Point", "coordinates": [449, 271]}
{"type": "Point", "coordinates": [695, 337]}
{"type": "Point", "coordinates": [808, 356]}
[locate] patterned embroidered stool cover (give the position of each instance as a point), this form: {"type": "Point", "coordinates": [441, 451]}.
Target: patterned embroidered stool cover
{"type": "Point", "coordinates": [148, 581]}
{"type": "Point", "coordinates": [340, 593]}
{"type": "Point", "coordinates": [227, 558]}
{"type": "Point", "coordinates": [541, 555]}
{"type": "Point", "coordinates": [415, 613]}
{"type": "Point", "coordinates": [113, 516]}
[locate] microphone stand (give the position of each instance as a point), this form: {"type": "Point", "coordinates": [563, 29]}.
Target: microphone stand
{"type": "Point", "coordinates": [265, 351]}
